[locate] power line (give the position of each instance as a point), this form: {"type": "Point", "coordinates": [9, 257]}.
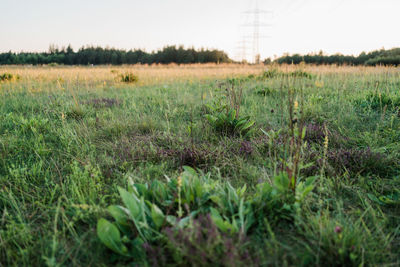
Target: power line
{"type": "Point", "coordinates": [242, 49]}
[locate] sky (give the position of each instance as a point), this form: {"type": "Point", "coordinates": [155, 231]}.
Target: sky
{"type": "Point", "coordinates": [293, 26]}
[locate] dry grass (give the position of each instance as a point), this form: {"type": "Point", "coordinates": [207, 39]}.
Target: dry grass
{"type": "Point", "coordinates": [148, 75]}
{"type": "Point", "coordinates": [36, 79]}
{"type": "Point", "coordinates": [155, 74]}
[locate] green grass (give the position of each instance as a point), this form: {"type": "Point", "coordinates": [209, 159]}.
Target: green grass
{"type": "Point", "coordinates": [64, 154]}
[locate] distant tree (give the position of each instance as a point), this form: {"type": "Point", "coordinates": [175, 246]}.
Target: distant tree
{"type": "Point", "coordinates": [383, 57]}
{"type": "Point", "coordinates": [98, 55]}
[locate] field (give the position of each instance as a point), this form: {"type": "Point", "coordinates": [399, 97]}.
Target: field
{"type": "Point", "coordinates": [200, 165]}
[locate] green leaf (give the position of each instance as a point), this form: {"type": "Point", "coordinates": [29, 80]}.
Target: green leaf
{"type": "Point", "coordinates": [220, 222]}
{"type": "Point", "coordinates": [157, 215]}
{"type": "Point", "coordinates": [232, 115]}
{"type": "Point", "coordinates": [240, 123]}
{"type": "Point", "coordinates": [141, 188]}
{"type": "Point", "coordinates": [216, 199]}
{"type": "Point", "coordinates": [189, 171]}
{"type": "Point", "coordinates": [232, 193]}
{"type": "Point", "coordinates": [248, 125]}
{"type": "Point", "coordinates": [131, 202]}
{"type": "Point", "coordinates": [375, 199]}
{"type": "Point", "coordinates": [311, 180]}
{"type": "Point", "coordinates": [303, 189]}
{"type": "Point", "coordinates": [110, 236]}
{"type": "Point", "coordinates": [303, 134]}
{"type": "Point", "coordinates": [211, 119]}
{"type": "Point", "coordinates": [281, 182]}
{"type": "Point", "coordinates": [171, 219]}
{"type": "Point", "coordinates": [119, 213]}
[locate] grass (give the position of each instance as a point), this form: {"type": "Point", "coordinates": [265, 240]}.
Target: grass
{"type": "Point", "coordinates": [72, 137]}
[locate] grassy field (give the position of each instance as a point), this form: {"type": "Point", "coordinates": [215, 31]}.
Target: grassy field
{"type": "Point", "coordinates": [200, 165]}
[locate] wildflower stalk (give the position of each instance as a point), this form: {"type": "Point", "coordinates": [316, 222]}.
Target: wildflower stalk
{"type": "Point", "coordinates": [326, 143]}
{"type": "Point", "coordinates": [180, 211]}
{"type": "Point", "coordinates": [297, 134]}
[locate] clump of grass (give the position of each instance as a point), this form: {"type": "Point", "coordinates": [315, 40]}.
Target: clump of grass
{"type": "Point", "coordinates": [75, 112]}
{"type": "Point", "coordinates": [379, 101]}
{"type": "Point", "coordinates": [265, 91]}
{"type": "Point", "coordinates": [301, 74]}
{"type": "Point", "coordinates": [129, 78]}
{"type": "Point", "coordinates": [224, 114]}
{"type": "Point", "coordinates": [274, 73]}
{"type": "Point", "coordinates": [315, 133]}
{"type": "Point", "coordinates": [350, 161]}
{"type": "Point", "coordinates": [270, 74]}
{"type": "Point", "coordinates": [7, 77]}
{"type": "Point", "coordinates": [103, 102]}
{"type": "Point", "coordinates": [358, 161]}
{"type": "Point", "coordinates": [342, 240]}
{"type": "Point", "coordinates": [203, 244]}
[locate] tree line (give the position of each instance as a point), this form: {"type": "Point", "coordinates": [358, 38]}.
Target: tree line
{"type": "Point", "coordinates": [99, 56]}
{"type": "Point", "coordinates": [378, 57]}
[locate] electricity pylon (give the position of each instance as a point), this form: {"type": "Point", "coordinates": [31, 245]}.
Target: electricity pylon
{"type": "Point", "coordinates": [256, 25]}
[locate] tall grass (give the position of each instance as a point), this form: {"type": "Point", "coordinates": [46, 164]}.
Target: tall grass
{"type": "Point", "coordinates": [71, 136]}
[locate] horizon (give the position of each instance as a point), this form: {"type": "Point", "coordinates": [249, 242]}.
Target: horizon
{"type": "Point", "coordinates": [75, 50]}
{"type": "Point", "coordinates": [297, 26]}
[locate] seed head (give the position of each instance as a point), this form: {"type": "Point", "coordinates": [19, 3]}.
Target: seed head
{"type": "Point", "coordinates": [179, 181]}
{"type": "Point", "coordinates": [326, 142]}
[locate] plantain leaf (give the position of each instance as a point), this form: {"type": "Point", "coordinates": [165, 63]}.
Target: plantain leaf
{"type": "Point", "coordinates": [120, 214]}
{"type": "Point", "coordinates": [223, 225]}
{"type": "Point", "coordinates": [110, 236]}
{"type": "Point", "coordinates": [131, 202]}
{"type": "Point", "coordinates": [247, 125]}
{"type": "Point", "coordinates": [157, 216]}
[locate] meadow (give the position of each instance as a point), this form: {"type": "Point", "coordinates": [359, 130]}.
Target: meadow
{"type": "Point", "coordinates": [200, 165]}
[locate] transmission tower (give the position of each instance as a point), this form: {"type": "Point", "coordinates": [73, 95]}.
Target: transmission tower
{"type": "Point", "coordinates": [256, 25]}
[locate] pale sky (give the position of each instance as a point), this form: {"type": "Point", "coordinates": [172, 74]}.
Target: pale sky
{"type": "Point", "coordinates": [296, 26]}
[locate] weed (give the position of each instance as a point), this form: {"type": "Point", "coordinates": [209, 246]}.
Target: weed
{"type": "Point", "coordinates": [225, 117]}
{"type": "Point", "coordinates": [149, 208]}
